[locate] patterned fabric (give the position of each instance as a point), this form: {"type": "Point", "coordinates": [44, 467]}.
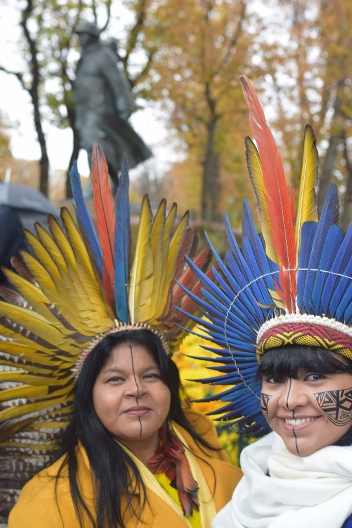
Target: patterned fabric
{"type": "Point", "coordinates": [307, 335]}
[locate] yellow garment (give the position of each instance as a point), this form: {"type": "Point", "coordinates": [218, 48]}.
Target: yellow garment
{"type": "Point", "coordinates": [165, 483]}
{"type": "Point", "coordinates": [38, 506]}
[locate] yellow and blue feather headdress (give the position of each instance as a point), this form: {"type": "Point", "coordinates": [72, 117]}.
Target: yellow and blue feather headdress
{"type": "Point", "coordinates": [78, 284]}
{"type": "Point", "coordinates": [290, 284]}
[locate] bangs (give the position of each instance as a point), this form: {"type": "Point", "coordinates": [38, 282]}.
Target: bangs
{"type": "Point", "coordinates": [285, 362]}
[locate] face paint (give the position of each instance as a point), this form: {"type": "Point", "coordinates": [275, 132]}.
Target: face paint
{"type": "Point", "coordinates": [264, 403]}
{"type": "Point", "coordinates": [309, 412]}
{"type": "Point", "coordinates": [293, 415]}
{"type": "Point", "coordinates": [137, 402]}
{"type": "Point", "coordinates": [337, 405]}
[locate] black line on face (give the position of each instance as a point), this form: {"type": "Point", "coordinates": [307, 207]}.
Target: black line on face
{"type": "Point", "coordinates": [337, 405]}
{"type": "Point", "coordinates": [293, 416]}
{"type": "Point", "coordinates": [294, 434]}
{"type": "Point", "coordinates": [135, 380]}
{"type": "Point", "coordinates": [264, 404]}
{"type": "Point", "coordinates": [288, 395]}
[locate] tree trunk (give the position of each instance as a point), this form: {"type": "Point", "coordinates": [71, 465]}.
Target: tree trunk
{"type": "Point", "coordinates": [211, 178]}
{"type": "Point", "coordinates": [347, 199]}
{"type": "Point", "coordinates": [34, 93]}
{"type": "Point", "coordinates": [336, 131]}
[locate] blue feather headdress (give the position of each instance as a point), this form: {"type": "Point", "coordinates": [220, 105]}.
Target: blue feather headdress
{"type": "Point", "coordinates": [290, 284]}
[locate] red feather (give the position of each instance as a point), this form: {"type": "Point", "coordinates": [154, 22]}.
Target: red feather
{"type": "Point", "coordinates": [105, 214]}
{"type": "Point", "coordinates": [279, 196]}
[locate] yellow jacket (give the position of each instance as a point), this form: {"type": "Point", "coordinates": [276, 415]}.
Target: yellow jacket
{"type": "Point", "coordinates": [38, 507]}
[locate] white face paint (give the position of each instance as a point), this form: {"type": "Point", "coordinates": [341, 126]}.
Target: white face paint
{"type": "Point", "coordinates": [310, 412]}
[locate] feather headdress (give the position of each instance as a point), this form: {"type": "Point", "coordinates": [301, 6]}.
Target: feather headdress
{"type": "Point", "coordinates": [78, 284]}
{"type": "Point", "coordinates": [290, 284]}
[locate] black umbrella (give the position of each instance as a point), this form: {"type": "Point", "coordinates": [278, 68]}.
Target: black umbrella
{"type": "Point", "coordinates": [30, 205]}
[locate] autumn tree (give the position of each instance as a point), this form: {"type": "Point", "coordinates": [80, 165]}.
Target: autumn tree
{"type": "Point", "coordinates": [197, 68]}
{"type": "Point", "coordinates": [5, 150]}
{"type": "Point", "coordinates": [311, 79]}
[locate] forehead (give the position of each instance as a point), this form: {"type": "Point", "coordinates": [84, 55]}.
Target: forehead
{"type": "Point", "coordinates": [125, 353]}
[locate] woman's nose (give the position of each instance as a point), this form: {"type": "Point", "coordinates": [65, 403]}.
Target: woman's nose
{"type": "Point", "coordinates": [135, 387]}
{"type": "Point", "coordinates": [293, 395]}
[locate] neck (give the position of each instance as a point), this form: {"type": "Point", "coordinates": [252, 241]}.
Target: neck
{"type": "Point", "coordinates": [144, 449]}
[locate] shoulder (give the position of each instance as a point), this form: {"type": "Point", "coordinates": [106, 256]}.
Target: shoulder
{"type": "Point", "coordinates": [202, 424]}
{"type": "Point", "coordinates": [35, 507]}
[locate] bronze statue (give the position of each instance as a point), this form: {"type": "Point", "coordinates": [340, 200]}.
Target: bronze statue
{"type": "Point", "coordinates": [103, 103]}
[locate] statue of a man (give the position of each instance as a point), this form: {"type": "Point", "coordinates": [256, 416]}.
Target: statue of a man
{"type": "Point", "coordinates": [103, 104]}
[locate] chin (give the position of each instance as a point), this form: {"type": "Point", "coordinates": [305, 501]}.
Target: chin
{"type": "Point", "coordinates": [304, 448]}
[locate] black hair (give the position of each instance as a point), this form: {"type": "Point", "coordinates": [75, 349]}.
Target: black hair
{"type": "Point", "coordinates": [285, 362]}
{"type": "Point", "coordinates": [112, 469]}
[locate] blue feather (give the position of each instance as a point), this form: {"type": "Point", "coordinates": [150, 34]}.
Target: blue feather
{"type": "Point", "coordinates": [122, 244]}
{"type": "Point", "coordinates": [331, 247]}
{"type": "Point", "coordinates": [247, 298]}
{"type": "Point", "coordinates": [329, 216]}
{"type": "Point", "coordinates": [340, 263]}
{"type": "Point", "coordinates": [249, 231]}
{"type": "Point", "coordinates": [84, 220]}
{"type": "Point", "coordinates": [308, 233]}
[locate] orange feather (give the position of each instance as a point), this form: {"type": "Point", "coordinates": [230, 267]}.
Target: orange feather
{"type": "Point", "coordinates": [105, 214]}
{"type": "Point", "coordinates": [279, 197]}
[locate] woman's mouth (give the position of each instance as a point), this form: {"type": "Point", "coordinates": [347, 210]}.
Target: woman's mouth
{"type": "Point", "coordinates": [298, 424]}
{"type": "Point", "coordinates": [139, 410]}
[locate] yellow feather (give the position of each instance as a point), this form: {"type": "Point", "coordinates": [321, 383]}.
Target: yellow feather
{"type": "Point", "coordinates": [34, 296]}
{"type": "Point", "coordinates": [82, 302]}
{"type": "Point", "coordinates": [30, 368]}
{"type": "Point", "coordinates": [174, 249]}
{"type": "Point", "coordinates": [56, 293]}
{"type": "Point", "coordinates": [22, 410]}
{"type": "Point", "coordinates": [92, 318]}
{"type": "Point", "coordinates": [142, 268]}
{"type": "Point", "coordinates": [21, 376]}
{"type": "Point", "coordinates": [36, 324]}
{"type": "Point", "coordinates": [157, 248]}
{"type": "Point", "coordinates": [84, 268]}
{"type": "Point", "coordinates": [277, 299]}
{"type": "Point", "coordinates": [307, 206]}
{"type": "Point", "coordinates": [24, 391]}
{"type": "Point", "coordinates": [256, 175]}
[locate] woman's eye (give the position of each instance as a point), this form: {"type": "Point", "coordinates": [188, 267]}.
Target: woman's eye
{"type": "Point", "coordinates": [315, 377]}
{"type": "Point", "coordinates": [115, 379]}
{"type": "Point", "coordinates": [273, 380]}
{"type": "Point", "coordinates": [152, 376]}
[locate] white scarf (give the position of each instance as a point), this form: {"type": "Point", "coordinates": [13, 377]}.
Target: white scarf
{"type": "Point", "coordinates": [303, 492]}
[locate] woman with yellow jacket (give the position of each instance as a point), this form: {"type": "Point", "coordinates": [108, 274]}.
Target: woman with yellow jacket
{"type": "Point", "coordinates": [132, 455]}
{"type": "Point", "coordinates": [93, 410]}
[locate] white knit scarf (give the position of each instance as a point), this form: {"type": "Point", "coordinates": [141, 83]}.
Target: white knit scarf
{"type": "Point", "coordinates": [301, 492]}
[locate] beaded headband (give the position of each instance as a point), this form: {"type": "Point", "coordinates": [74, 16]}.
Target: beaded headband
{"type": "Point", "coordinates": [290, 284]}
{"type": "Point", "coordinates": [120, 327]}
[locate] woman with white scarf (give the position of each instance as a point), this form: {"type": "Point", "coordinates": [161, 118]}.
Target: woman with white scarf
{"type": "Point", "coordinates": [279, 310]}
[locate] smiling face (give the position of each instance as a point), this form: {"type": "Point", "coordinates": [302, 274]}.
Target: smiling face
{"type": "Point", "coordinates": [129, 396]}
{"type": "Point", "coordinates": [310, 412]}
